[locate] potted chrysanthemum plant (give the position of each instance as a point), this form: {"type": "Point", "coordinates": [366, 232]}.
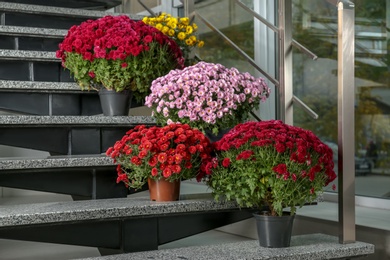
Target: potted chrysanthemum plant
{"type": "Point", "coordinates": [272, 167]}
{"type": "Point", "coordinates": [118, 54]}
{"type": "Point", "coordinates": [207, 96]}
{"type": "Point", "coordinates": [161, 157]}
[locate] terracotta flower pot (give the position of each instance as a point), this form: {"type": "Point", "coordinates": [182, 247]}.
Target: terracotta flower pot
{"type": "Point", "coordinates": [163, 190]}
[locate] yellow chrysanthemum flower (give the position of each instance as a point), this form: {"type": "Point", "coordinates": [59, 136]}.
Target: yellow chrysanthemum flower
{"type": "Point", "coordinates": [171, 25]}
{"type": "Point", "coordinates": [159, 26]}
{"type": "Point", "coordinates": [193, 38]}
{"type": "Point", "coordinates": [189, 42]}
{"type": "Point", "coordinates": [200, 44]}
{"type": "Point", "coordinates": [171, 32]}
{"type": "Point", "coordinates": [181, 36]}
{"type": "Point", "coordinates": [189, 29]}
{"type": "Point", "coordinates": [145, 19]}
{"type": "Point", "coordinates": [185, 20]}
{"type": "Point", "coordinates": [165, 30]}
{"type": "Point", "coordinates": [174, 20]}
{"type": "Point", "coordinates": [195, 26]}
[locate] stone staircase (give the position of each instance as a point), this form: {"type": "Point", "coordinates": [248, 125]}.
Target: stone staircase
{"type": "Point", "coordinates": [44, 109]}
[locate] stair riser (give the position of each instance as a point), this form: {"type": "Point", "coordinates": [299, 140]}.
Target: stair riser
{"type": "Point", "coordinates": [29, 43]}
{"type": "Point", "coordinates": [81, 103]}
{"type": "Point", "coordinates": [63, 140]}
{"type": "Point", "coordinates": [40, 20]}
{"type": "Point", "coordinates": [128, 234]}
{"type": "Point", "coordinates": [85, 183]}
{"type": "Point", "coordinates": [33, 70]}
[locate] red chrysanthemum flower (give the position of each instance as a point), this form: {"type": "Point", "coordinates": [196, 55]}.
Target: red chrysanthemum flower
{"type": "Point", "coordinates": [226, 162]}
{"type": "Point", "coordinates": [162, 157]}
{"type": "Point", "coordinates": [155, 154]}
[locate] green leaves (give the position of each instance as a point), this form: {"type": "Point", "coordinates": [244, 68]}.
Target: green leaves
{"type": "Point", "coordinates": [137, 75]}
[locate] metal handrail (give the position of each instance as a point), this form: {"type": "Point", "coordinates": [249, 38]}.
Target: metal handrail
{"type": "Point", "coordinates": [258, 16]}
{"type": "Point", "coordinates": [276, 30]}
{"type": "Point", "coordinates": [305, 107]}
{"type": "Point", "coordinates": [147, 8]}
{"type": "Point", "coordinates": [249, 59]}
{"type": "Point", "coordinates": [304, 50]}
{"type": "Point", "coordinates": [294, 43]}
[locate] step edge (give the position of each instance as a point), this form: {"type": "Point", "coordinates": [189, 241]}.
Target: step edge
{"type": "Point", "coordinates": [95, 120]}
{"type": "Point", "coordinates": [28, 55]}
{"type": "Point", "coordinates": [40, 86]}
{"type": "Point", "coordinates": [32, 31]}
{"type": "Point", "coordinates": [61, 212]}
{"type": "Point", "coordinates": [50, 162]}
{"type": "Point", "coordinates": [59, 11]}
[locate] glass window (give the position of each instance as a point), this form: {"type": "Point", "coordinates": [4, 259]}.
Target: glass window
{"type": "Point", "coordinates": [315, 83]}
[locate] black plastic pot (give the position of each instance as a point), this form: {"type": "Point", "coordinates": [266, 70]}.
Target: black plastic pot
{"type": "Point", "coordinates": [115, 103]}
{"type": "Point", "coordinates": [214, 138]}
{"type": "Point", "coordinates": [274, 231]}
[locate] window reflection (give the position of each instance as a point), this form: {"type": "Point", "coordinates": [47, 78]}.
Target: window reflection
{"type": "Point", "coordinates": [315, 83]}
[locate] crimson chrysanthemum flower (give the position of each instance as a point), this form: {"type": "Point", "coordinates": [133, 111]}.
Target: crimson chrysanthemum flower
{"type": "Point", "coordinates": [162, 157]}
{"type": "Point", "coordinates": [160, 152]}
{"type": "Point", "coordinates": [226, 162]}
{"type": "Point", "coordinates": [119, 53]}
{"type": "Point", "coordinates": [273, 164]}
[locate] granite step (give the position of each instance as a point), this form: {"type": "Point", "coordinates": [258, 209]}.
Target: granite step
{"type": "Point", "coordinates": [43, 16]}
{"type": "Point", "coordinates": [124, 224]}
{"type": "Point", "coordinates": [53, 162]}
{"type": "Point", "coordinates": [67, 135]}
{"type": "Point", "coordinates": [41, 86]}
{"type": "Point", "coordinates": [79, 4]}
{"type": "Point", "coordinates": [29, 55]}
{"type": "Point", "coordinates": [32, 32]}
{"type": "Point", "coordinates": [309, 246]}
{"type": "Point", "coordinates": [29, 38]}
{"type": "Point", "coordinates": [81, 176]}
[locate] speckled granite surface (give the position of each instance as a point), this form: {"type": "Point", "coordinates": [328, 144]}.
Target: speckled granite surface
{"type": "Point", "coordinates": [40, 85]}
{"type": "Point", "coordinates": [13, 7]}
{"type": "Point", "coordinates": [55, 162]}
{"type": "Point", "coordinates": [25, 120]}
{"type": "Point", "coordinates": [28, 55]}
{"type": "Point", "coordinates": [38, 213]}
{"type": "Point", "coordinates": [31, 31]}
{"type": "Point", "coordinates": [303, 247]}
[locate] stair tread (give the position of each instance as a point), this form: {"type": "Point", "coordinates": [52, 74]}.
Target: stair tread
{"type": "Point", "coordinates": [32, 120]}
{"type": "Point", "coordinates": [60, 11]}
{"type": "Point", "coordinates": [54, 212]}
{"type": "Point", "coordinates": [308, 246]}
{"type": "Point", "coordinates": [79, 4]}
{"type": "Point", "coordinates": [18, 163]}
{"type": "Point", "coordinates": [32, 31]}
{"type": "Point", "coordinates": [40, 86]}
{"type": "Point", "coordinates": [28, 55]}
